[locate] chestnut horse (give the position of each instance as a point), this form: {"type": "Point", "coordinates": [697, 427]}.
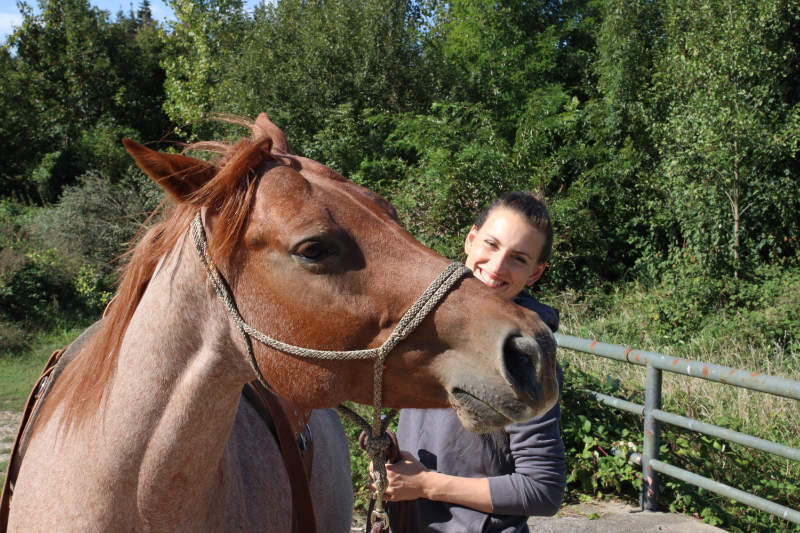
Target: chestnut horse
{"type": "Point", "coordinates": [146, 429]}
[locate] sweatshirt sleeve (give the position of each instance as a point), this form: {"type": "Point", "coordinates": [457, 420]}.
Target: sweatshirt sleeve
{"type": "Point", "coordinates": [536, 487]}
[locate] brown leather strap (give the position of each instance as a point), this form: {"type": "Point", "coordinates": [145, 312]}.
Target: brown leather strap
{"type": "Point", "coordinates": [297, 466]}
{"type": "Point", "coordinates": [14, 459]}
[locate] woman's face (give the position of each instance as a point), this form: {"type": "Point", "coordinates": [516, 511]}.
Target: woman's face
{"type": "Point", "coordinates": [504, 252]}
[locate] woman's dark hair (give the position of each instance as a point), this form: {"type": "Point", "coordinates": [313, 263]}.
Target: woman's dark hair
{"type": "Point", "coordinates": [532, 209]}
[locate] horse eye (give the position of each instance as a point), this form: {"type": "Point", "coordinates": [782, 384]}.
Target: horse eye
{"type": "Point", "coordinates": [313, 251]}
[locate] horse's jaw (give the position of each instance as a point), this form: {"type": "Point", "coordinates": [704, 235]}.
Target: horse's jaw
{"type": "Point", "coordinates": [481, 408]}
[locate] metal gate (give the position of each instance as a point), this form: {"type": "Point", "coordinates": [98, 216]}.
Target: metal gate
{"type": "Point", "coordinates": [657, 363]}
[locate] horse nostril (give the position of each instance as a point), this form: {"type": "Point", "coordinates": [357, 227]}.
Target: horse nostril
{"type": "Point", "coordinates": [519, 354]}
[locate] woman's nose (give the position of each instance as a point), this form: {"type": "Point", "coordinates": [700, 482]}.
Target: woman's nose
{"type": "Point", "coordinates": [498, 262]}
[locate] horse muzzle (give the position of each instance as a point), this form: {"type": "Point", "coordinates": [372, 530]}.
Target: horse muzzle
{"type": "Point", "coordinates": [525, 386]}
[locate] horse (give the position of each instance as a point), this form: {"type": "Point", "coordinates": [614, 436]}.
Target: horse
{"type": "Point", "coordinates": [147, 428]}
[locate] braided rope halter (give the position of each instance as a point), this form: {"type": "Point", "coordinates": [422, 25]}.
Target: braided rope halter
{"type": "Point", "coordinates": [377, 440]}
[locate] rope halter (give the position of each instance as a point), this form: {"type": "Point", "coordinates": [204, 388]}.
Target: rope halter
{"type": "Point", "coordinates": [377, 443]}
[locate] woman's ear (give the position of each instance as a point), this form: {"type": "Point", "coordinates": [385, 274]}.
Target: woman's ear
{"type": "Point", "coordinates": [536, 274]}
{"type": "Point", "coordinates": [470, 238]}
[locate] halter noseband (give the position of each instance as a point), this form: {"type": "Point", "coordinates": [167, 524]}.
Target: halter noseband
{"type": "Point", "coordinates": [413, 317]}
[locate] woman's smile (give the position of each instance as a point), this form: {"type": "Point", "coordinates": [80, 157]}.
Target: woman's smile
{"type": "Point", "coordinates": [488, 278]}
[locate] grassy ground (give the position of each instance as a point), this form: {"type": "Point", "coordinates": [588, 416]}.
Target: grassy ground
{"type": "Point", "coordinates": [19, 370]}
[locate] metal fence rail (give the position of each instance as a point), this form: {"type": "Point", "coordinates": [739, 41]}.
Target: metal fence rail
{"type": "Point", "coordinates": [651, 411]}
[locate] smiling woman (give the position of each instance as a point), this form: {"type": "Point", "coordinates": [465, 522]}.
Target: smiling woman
{"type": "Point", "coordinates": [504, 250]}
{"type": "Point", "coordinates": [453, 480]}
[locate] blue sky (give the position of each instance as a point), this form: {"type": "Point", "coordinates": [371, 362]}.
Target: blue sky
{"type": "Point", "coordinates": [10, 15]}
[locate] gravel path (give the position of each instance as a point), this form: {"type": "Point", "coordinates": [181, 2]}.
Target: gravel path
{"type": "Point", "coordinates": [9, 423]}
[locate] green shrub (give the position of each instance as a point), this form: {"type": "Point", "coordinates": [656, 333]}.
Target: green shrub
{"type": "Point", "coordinates": [754, 327]}
{"type": "Point", "coordinates": [57, 264]}
{"type": "Point", "coordinates": [12, 336]}
{"type": "Point", "coordinates": [37, 288]}
{"type": "Point", "coordinates": [93, 289]}
{"type": "Point", "coordinates": [96, 220]}
{"type": "Point", "coordinates": [13, 219]}
{"type": "Point", "coordinates": [592, 432]}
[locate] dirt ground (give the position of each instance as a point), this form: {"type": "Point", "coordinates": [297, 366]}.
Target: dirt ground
{"type": "Point", "coordinates": [9, 422]}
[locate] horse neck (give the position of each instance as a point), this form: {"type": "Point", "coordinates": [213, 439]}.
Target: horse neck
{"type": "Point", "coordinates": [174, 396]}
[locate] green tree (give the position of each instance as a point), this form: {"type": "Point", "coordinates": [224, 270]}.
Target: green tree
{"type": "Point", "coordinates": [584, 142]}
{"type": "Point", "coordinates": [206, 35]}
{"type": "Point", "coordinates": [730, 172]}
{"type": "Point", "coordinates": [300, 61]}
{"type": "Point", "coordinates": [498, 53]}
{"type": "Point", "coordinates": [77, 83]}
{"type": "Point", "coordinates": [137, 51]}
{"type": "Point", "coordinates": [19, 133]}
{"type": "Point", "coordinates": [62, 64]}
{"type": "Point", "coordinates": [457, 163]}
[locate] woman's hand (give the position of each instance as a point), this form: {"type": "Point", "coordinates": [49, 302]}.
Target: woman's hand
{"type": "Point", "coordinates": [406, 479]}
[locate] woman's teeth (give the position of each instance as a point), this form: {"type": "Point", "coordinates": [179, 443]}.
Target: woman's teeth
{"type": "Point", "coordinates": [489, 281]}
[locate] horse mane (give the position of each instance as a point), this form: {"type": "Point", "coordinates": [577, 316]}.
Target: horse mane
{"type": "Point", "coordinates": [229, 194]}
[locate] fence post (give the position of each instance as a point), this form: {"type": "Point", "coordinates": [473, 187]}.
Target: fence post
{"type": "Point", "coordinates": [652, 401]}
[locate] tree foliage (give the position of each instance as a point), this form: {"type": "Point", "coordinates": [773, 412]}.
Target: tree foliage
{"type": "Point", "coordinates": [662, 134]}
{"type": "Point", "coordinates": [727, 172]}
{"type": "Point", "coordinates": [74, 84]}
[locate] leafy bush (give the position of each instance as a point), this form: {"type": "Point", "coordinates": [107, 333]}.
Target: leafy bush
{"type": "Point", "coordinates": [458, 163]}
{"type": "Point", "coordinates": [96, 220]}
{"type": "Point", "coordinates": [592, 432]}
{"type": "Point", "coordinates": [12, 336]}
{"type": "Point", "coordinates": [93, 289]}
{"type": "Point", "coordinates": [599, 440]}
{"type": "Point", "coordinates": [37, 286]}
{"type": "Point", "coordinates": [57, 264]}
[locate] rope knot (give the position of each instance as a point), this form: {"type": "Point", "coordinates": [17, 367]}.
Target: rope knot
{"type": "Point", "coordinates": [384, 443]}
{"type": "Point", "coordinates": [375, 445]}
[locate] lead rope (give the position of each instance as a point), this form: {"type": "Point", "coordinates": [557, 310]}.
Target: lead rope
{"type": "Point", "coordinates": [378, 441]}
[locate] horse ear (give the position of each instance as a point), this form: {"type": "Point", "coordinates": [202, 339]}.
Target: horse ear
{"type": "Point", "coordinates": [265, 127]}
{"type": "Point", "coordinates": [179, 175]}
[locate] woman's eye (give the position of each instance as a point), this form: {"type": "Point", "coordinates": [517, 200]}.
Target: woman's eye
{"type": "Point", "coordinates": [313, 251]}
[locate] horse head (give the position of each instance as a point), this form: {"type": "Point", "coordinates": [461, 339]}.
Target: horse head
{"type": "Point", "coordinates": [315, 260]}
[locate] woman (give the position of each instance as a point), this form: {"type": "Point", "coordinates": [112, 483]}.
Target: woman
{"type": "Point", "coordinates": [449, 479]}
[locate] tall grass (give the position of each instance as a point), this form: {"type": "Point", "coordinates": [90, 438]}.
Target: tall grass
{"type": "Point", "coordinates": [759, 413]}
